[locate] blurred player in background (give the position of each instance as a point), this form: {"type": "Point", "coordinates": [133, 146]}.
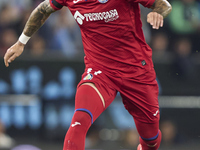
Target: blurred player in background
{"type": "Point", "coordinates": [117, 60]}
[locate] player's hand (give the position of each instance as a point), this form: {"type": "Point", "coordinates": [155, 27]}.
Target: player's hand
{"type": "Point", "coordinates": [155, 19]}
{"type": "Point", "coordinates": [13, 52]}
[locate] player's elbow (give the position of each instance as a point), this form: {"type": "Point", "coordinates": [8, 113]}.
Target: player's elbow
{"type": "Point", "coordinates": [168, 10]}
{"type": "Point", "coordinates": [169, 7]}
{"type": "Point", "coordinates": [162, 7]}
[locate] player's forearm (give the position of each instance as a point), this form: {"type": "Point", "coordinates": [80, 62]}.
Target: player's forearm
{"type": "Point", "coordinates": [38, 18]}
{"type": "Point", "coordinates": [162, 7]}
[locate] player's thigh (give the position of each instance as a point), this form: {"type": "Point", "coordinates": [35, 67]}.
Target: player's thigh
{"type": "Point", "coordinates": [97, 91]}
{"type": "Point", "coordinates": [94, 92]}
{"type": "Point", "coordinates": [141, 101]}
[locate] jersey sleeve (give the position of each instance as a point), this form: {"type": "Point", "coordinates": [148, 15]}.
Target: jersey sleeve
{"type": "Point", "coordinates": [57, 4]}
{"type": "Point", "coordinates": [145, 3]}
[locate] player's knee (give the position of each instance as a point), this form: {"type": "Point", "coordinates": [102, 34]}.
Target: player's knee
{"type": "Point", "coordinates": [88, 100]}
{"type": "Point", "coordinates": [151, 143]}
{"type": "Point", "coordinates": [81, 118]}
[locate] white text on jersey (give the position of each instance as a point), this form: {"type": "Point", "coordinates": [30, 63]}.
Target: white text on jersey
{"type": "Point", "coordinates": [106, 16]}
{"type": "Point", "coordinates": [76, 1]}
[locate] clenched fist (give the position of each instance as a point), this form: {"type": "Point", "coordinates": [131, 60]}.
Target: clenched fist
{"type": "Point", "coordinates": [155, 19]}
{"type": "Point", "coordinates": [13, 52]}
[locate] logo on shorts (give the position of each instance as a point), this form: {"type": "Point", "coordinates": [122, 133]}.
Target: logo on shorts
{"type": "Point", "coordinates": [156, 113]}
{"type": "Point", "coordinates": [103, 1]}
{"type": "Point", "coordinates": [88, 77]}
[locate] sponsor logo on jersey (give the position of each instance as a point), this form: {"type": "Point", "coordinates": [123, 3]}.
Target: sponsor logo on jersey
{"type": "Point", "coordinates": [107, 16]}
{"type": "Point", "coordinates": [103, 1]}
{"type": "Point", "coordinates": [76, 1]}
{"type": "Point", "coordinates": [88, 77]}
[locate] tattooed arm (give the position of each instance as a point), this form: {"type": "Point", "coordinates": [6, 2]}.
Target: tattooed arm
{"type": "Point", "coordinates": [35, 21]}
{"type": "Point", "coordinates": [38, 17]}
{"type": "Point", "coordinates": [160, 9]}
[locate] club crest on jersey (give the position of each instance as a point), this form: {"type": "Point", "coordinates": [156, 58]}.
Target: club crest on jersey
{"type": "Point", "coordinates": [103, 1]}
{"type": "Point", "coordinates": [88, 77]}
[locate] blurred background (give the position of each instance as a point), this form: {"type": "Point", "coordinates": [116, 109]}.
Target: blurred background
{"type": "Point", "coordinates": [37, 90]}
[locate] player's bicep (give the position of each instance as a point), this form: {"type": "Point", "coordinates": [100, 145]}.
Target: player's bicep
{"type": "Point", "coordinates": [44, 8]}
{"type": "Point", "coordinates": [145, 3]}
{"type": "Point", "coordinates": [162, 7]}
{"type": "Point", "coordinates": [47, 6]}
{"type": "Point", "coordinates": [56, 4]}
